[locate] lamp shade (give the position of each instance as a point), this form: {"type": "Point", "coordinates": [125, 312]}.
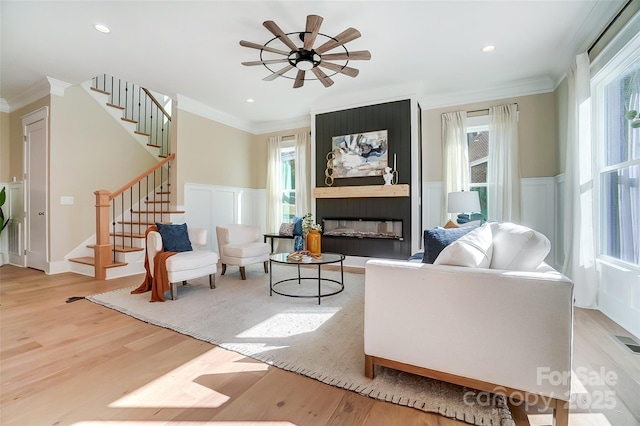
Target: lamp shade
{"type": "Point", "coordinates": [464, 201]}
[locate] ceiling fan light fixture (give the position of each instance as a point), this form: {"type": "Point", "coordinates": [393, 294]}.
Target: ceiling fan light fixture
{"type": "Point", "coordinates": [307, 57]}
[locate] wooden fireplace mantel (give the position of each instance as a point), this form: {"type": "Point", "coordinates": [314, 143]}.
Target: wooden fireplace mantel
{"type": "Point", "coordinates": [363, 191]}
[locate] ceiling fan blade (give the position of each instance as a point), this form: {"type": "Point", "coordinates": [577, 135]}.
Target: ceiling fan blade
{"type": "Point", "coordinates": [278, 73]}
{"type": "Point", "coordinates": [351, 72]}
{"type": "Point", "coordinates": [311, 31]}
{"type": "Point", "coordinates": [326, 81]}
{"type": "Point", "coordinates": [261, 47]}
{"type": "Point", "coordinates": [276, 31]}
{"type": "Point", "coordinates": [362, 55]}
{"type": "Point", "coordinates": [270, 61]}
{"type": "Point", "coordinates": [299, 79]}
{"type": "Point", "coordinates": [342, 38]}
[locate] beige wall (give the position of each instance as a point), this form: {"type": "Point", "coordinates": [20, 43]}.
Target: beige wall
{"type": "Point", "coordinates": [537, 135]}
{"type": "Point", "coordinates": [89, 150]}
{"type": "Point", "coordinates": [5, 143]}
{"type": "Point", "coordinates": [213, 153]}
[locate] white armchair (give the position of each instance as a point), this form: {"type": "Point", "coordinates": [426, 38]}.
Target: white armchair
{"type": "Point", "coordinates": [240, 245]}
{"type": "Point", "coordinates": [185, 265]}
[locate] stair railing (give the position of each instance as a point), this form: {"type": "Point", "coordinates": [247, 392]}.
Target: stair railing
{"type": "Point", "coordinates": [147, 196]}
{"type": "Point", "coordinates": [139, 106]}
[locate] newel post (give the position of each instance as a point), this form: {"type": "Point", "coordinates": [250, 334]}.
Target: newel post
{"type": "Point", "coordinates": [102, 249]}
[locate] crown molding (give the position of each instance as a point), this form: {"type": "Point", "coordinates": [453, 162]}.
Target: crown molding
{"type": "Point", "coordinates": [521, 88]}
{"type": "Point", "coordinates": [57, 87]}
{"type": "Point", "coordinates": [196, 107]}
{"type": "Point", "coordinates": [44, 87]}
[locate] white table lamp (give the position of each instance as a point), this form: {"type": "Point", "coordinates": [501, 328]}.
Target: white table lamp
{"type": "Point", "coordinates": [463, 202]}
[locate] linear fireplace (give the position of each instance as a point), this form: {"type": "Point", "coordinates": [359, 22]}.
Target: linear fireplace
{"type": "Point", "coordinates": [363, 228]}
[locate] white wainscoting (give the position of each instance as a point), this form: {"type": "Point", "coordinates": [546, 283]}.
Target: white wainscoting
{"type": "Point", "coordinates": [538, 208]}
{"type": "Point", "coordinates": [208, 206]}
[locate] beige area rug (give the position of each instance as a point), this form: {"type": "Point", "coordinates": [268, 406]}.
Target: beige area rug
{"type": "Point", "coordinates": [324, 342]}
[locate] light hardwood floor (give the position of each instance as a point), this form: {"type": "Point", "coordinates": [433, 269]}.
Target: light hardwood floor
{"type": "Point", "coordinates": [83, 364]}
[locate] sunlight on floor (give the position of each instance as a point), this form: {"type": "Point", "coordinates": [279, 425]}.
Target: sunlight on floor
{"type": "Point", "coordinates": [575, 419]}
{"type": "Point", "coordinates": [291, 323]}
{"type": "Point", "coordinates": [192, 383]}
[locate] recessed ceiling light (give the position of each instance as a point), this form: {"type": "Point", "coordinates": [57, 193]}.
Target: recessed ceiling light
{"type": "Point", "coordinates": [102, 28]}
{"type": "Point", "coordinates": [250, 100]}
{"type": "Point", "coordinates": [488, 49]}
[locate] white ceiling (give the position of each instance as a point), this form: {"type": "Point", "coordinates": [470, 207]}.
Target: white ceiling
{"type": "Point", "coordinates": [190, 50]}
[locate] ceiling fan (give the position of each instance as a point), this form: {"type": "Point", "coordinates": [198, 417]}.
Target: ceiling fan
{"type": "Point", "coordinates": [305, 57]}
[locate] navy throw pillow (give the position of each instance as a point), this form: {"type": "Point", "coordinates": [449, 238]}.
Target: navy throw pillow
{"type": "Point", "coordinates": [297, 226]}
{"type": "Point", "coordinates": [174, 237]}
{"type": "Point", "coordinates": [436, 239]}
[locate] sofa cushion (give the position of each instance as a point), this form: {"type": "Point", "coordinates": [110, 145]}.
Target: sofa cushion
{"type": "Point", "coordinates": [437, 239]}
{"type": "Point", "coordinates": [191, 260]}
{"type": "Point", "coordinates": [246, 250]}
{"type": "Point", "coordinates": [517, 248]}
{"type": "Point", "coordinates": [473, 249]}
{"type": "Point", "coordinates": [297, 226]}
{"type": "Point", "coordinates": [174, 237]}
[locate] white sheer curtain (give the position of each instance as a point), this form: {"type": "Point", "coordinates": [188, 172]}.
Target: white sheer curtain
{"type": "Point", "coordinates": [455, 156]}
{"type": "Point", "coordinates": [503, 174]}
{"type": "Point", "coordinates": [303, 170]}
{"type": "Point", "coordinates": [274, 185]}
{"type": "Point", "coordinates": [579, 237]}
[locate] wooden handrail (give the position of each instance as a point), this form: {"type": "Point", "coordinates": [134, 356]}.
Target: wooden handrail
{"type": "Point", "coordinates": [155, 101]}
{"type": "Point", "coordinates": [140, 177]}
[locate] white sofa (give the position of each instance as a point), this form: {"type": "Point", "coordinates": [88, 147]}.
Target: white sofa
{"type": "Point", "coordinates": [495, 330]}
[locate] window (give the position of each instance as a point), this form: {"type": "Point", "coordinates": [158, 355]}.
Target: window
{"type": "Point", "coordinates": [617, 112]}
{"type": "Point", "coordinates": [478, 143]}
{"type": "Point", "coordinates": [288, 180]}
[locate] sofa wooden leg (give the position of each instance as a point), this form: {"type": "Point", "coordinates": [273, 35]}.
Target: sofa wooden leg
{"type": "Point", "coordinates": [174, 290]}
{"type": "Point", "coordinates": [561, 413]}
{"type": "Point", "coordinates": [212, 281]}
{"type": "Point", "coordinates": [242, 273]}
{"type": "Point", "coordinates": [368, 366]}
{"type": "Point", "coordinates": [224, 269]}
{"type": "Point", "coordinates": [266, 267]}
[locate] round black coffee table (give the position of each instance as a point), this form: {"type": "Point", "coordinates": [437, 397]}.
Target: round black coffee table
{"type": "Point", "coordinates": [326, 259]}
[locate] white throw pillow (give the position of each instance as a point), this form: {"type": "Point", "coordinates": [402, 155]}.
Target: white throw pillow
{"type": "Point", "coordinates": [473, 249]}
{"type": "Point", "coordinates": [517, 248]}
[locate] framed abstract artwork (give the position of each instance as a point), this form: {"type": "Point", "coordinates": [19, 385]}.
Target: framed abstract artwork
{"type": "Point", "coordinates": [360, 154]}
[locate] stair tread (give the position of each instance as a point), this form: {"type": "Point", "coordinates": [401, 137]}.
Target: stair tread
{"type": "Point", "coordinates": [129, 120]}
{"type": "Point", "coordinates": [126, 222]}
{"type": "Point", "coordinates": [157, 212]}
{"type": "Point", "coordinates": [115, 106]}
{"type": "Point", "coordinates": [89, 260]}
{"type": "Point", "coordinates": [127, 249]}
{"type": "Point", "coordinates": [154, 146]}
{"type": "Point", "coordinates": [156, 201]}
{"type": "Point", "coordinates": [126, 235]}
{"type": "Point", "coordinates": [100, 91]}
{"type": "Point", "coordinates": [138, 132]}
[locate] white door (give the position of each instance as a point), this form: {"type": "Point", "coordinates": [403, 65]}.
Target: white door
{"type": "Point", "coordinates": [36, 172]}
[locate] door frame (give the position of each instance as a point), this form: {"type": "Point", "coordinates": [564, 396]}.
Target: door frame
{"type": "Point", "coordinates": [28, 119]}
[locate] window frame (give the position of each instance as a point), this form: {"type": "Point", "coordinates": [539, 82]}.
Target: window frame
{"type": "Point", "coordinates": [611, 71]}
{"type": "Point", "coordinates": [478, 123]}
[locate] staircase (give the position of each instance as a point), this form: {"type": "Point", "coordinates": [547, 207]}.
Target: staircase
{"type": "Point", "coordinates": [122, 216]}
